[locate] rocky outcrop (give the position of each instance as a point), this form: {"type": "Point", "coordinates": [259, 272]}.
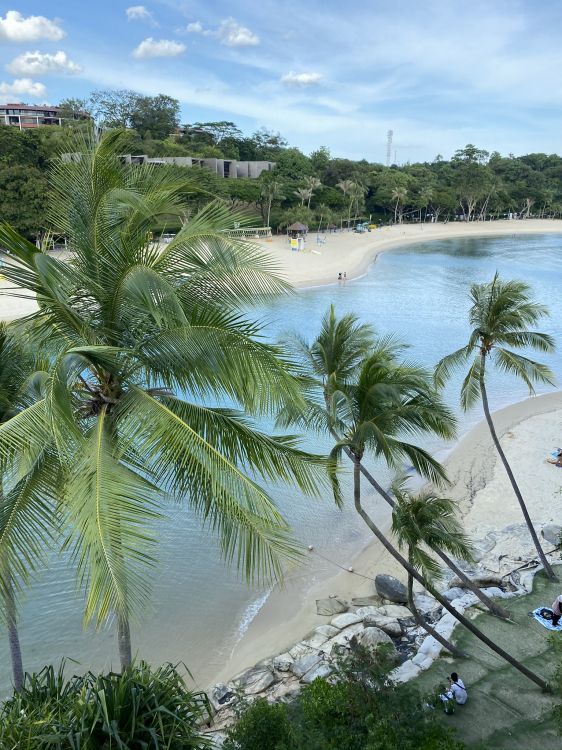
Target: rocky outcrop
{"type": "Point", "coordinates": [552, 533]}
{"type": "Point", "coordinates": [391, 588]}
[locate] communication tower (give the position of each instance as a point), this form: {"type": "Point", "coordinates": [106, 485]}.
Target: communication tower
{"type": "Point", "coordinates": [389, 147]}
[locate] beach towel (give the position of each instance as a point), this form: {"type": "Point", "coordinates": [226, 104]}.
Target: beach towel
{"type": "Point", "coordinates": [545, 623]}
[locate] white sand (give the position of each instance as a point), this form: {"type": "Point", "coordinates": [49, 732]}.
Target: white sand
{"type": "Point", "coordinates": [353, 253]}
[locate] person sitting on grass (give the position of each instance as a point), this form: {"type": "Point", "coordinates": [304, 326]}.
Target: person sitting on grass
{"type": "Point", "coordinates": [457, 690]}
{"type": "Point", "coordinates": [556, 610]}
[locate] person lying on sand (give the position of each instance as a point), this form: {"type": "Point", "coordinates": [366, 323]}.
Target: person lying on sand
{"type": "Point", "coordinates": [556, 457]}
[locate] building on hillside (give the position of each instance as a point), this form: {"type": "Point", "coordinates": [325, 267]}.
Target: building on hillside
{"type": "Point", "coordinates": [228, 168]}
{"type": "Point", "coordinates": [25, 116]}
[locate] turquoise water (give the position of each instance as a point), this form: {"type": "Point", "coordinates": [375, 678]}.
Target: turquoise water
{"type": "Point", "coordinates": [200, 608]}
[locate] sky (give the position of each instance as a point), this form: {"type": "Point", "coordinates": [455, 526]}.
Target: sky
{"type": "Point", "coordinates": [328, 73]}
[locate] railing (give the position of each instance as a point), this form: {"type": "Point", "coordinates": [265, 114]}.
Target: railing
{"type": "Point", "coordinates": [253, 233]}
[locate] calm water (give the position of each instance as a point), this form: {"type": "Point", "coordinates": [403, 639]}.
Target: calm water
{"type": "Point", "coordinates": [200, 608]}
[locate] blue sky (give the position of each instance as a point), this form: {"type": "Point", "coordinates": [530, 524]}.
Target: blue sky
{"type": "Point", "coordinates": [322, 72]}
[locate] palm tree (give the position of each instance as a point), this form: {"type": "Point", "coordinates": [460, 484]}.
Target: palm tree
{"type": "Point", "coordinates": [144, 340]}
{"type": "Point", "coordinates": [270, 190]}
{"type": "Point", "coordinates": [305, 194]}
{"type": "Point", "coordinates": [26, 520]}
{"type": "Point", "coordinates": [426, 520]}
{"type": "Point", "coordinates": [500, 316]}
{"type": "Point", "coordinates": [346, 186]}
{"type": "Point", "coordinates": [312, 183]}
{"type": "Point", "coordinates": [333, 360]}
{"type": "Point", "coordinates": [399, 195]}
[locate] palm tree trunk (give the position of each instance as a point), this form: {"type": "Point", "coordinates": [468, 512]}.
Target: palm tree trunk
{"type": "Point", "coordinates": [10, 612]}
{"type": "Point", "coordinates": [546, 565]}
{"type": "Point", "coordinates": [495, 609]}
{"type": "Point", "coordinates": [124, 642]}
{"type": "Point", "coordinates": [444, 603]}
{"type": "Point", "coordinates": [423, 624]}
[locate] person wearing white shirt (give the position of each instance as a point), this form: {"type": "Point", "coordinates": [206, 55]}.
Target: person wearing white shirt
{"type": "Point", "coordinates": [457, 690]}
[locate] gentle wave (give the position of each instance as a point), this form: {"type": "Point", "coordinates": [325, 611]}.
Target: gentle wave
{"type": "Point", "coordinates": [251, 612]}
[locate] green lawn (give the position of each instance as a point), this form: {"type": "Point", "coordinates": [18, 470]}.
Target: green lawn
{"type": "Point", "coordinates": [505, 709]}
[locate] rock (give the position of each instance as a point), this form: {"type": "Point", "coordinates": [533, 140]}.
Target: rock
{"type": "Point", "coordinates": [446, 625]}
{"type": "Point", "coordinates": [320, 671]}
{"type": "Point", "coordinates": [221, 695]}
{"type": "Point", "coordinates": [316, 640]}
{"type": "Point", "coordinates": [477, 580]}
{"type": "Point", "coordinates": [255, 680]}
{"type": "Point", "coordinates": [390, 588]}
{"type": "Point", "coordinates": [364, 611]}
{"type": "Point", "coordinates": [328, 630]}
{"type": "Point", "coordinates": [430, 647]}
{"type": "Point", "coordinates": [552, 532]}
{"type": "Point", "coordinates": [405, 672]}
{"type": "Point", "coordinates": [372, 638]}
{"type": "Point", "coordinates": [342, 640]}
{"type": "Point", "coordinates": [283, 690]}
{"type": "Point", "coordinates": [282, 663]}
{"type": "Point", "coordinates": [453, 593]}
{"type": "Point", "coordinates": [425, 603]}
{"type": "Point", "coordinates": [345, 620]}
{"type": "Point", "coordinates": [331, 606]}
{"type": "Point", "coordinates": [303, 648]}
{"type": "Point", "coordinates": [395, 610]}
{"type": "Point", "coordinates": [367, 601]}
{"type": "Point", "coordinates": [301, 666]}
{"type": "Point", "coordinates": [390, 625]}
{"type": "Point", "coordinates": [494, 592]}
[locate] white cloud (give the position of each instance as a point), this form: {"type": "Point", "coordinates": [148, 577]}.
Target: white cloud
{"type": "Point", "coordinates": [140, 13]}
{"type": "Point", "coordinates": [23, 87]}
{"type": "Point", "coordinates": [16, 28]}
{"type": "Point", "coordinates": [158, 48]}
{"type": "Point", "coordinates": [232, 34]}
{"type": "Point", "coordinates": [301, 79]}
{"type": "Point", "coordinates": [229, 32]}
{"type": "Point", "coordinates": [42, 63]}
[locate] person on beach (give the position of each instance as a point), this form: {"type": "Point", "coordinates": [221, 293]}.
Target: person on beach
{"type": "Point", "coordinates": [456, 692]}
{"type": "Point", "coordinates": [556, 458]}
{"type": "Point", "coordinates": [339, 276]}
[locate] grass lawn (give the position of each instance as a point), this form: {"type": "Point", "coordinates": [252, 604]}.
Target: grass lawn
{"type": "Point", "coordinates": [504, 709]}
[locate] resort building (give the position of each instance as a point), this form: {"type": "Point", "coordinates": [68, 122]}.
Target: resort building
{"type": "Point", "coordinates": [25, 116]}
{"type": "Point", "coordinates": [228, 168]}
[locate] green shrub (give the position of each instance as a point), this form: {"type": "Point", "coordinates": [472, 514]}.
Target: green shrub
{"type": "Point", "coordinates": [357, 709]}
{"type": "Point", "coordinates": [141, 709]}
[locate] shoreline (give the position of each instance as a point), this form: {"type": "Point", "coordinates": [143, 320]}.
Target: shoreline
{"type": "Point", "coordinates": [319, 265]}
{"type": "Point", "coordinates": [289, 614]}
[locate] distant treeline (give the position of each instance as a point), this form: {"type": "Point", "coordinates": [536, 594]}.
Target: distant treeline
{"type": "Point", "coordinates": [317, 189]}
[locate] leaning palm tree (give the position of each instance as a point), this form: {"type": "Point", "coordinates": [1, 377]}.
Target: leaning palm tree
{"type": "Point", "coordinates": [332, 360]}
{"type": "Point", "coordinates": [500, 316]}
{"type": "Point", "coordinates": [399, 195]}
{"type": "Point", "coordinates": [388, 399]}
{"type": "Point", "coordinates": [26, 519]}
{"type": "Point", "coordinates": [146, 341]}
{"type": "Point", "coordinates": [421, 522]}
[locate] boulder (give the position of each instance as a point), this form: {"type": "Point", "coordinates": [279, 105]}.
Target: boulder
{"type": "Point", "coordinates": [446, 625]}
{"type": "Point", "coordinates": [494, 592]}
{"type": "Point", "coordinates": [301, 666]}
{"type": "Point", "coordinates": [255, 680]}
{"type": "Point", "coordinates": [364, 611]}
{"type": "Point", "coordinates": [345, 620]}
{"type": "Point", "coordinates": [390, 625]}
{"type": "Point", "coordinates": [341, 641]}
{"type": "Point", "coordinates": [453, 593]}
{"type": "Point", "coordinates": [422, 661]}
{"type": "Point", "coordinates": [316, 640]}
{"type": "Point", "coordinates": [319, 671]}
{"type": "Point", "coordinates": [552, 532]}
{"type": "Point", "coordinates": [426, 603]}
{"type": "Point", "coordinates": [371, 638]}
{"type": "Point", "coordinates": [283, 662]}
{"type": "Point", "coordinates": [395, 610]}
{"type": "Point", "coordinates": [328, 630]}
{"type": "Point", "coordinates": [303, 648]}
{"type": "Point", "coordinates": [331, 606]}
{"type": "Point", "coordinates": [389, 587]}
{"type": "Point", "coordinates": [367, 601]}
{"type": "Point", "coordinates": [221, 695]}
{"type": "Point", "coordinates": [430, 647]}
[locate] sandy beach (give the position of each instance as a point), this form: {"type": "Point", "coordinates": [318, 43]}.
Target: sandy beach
{"type": "Point", "coordinates": [528, 430]}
